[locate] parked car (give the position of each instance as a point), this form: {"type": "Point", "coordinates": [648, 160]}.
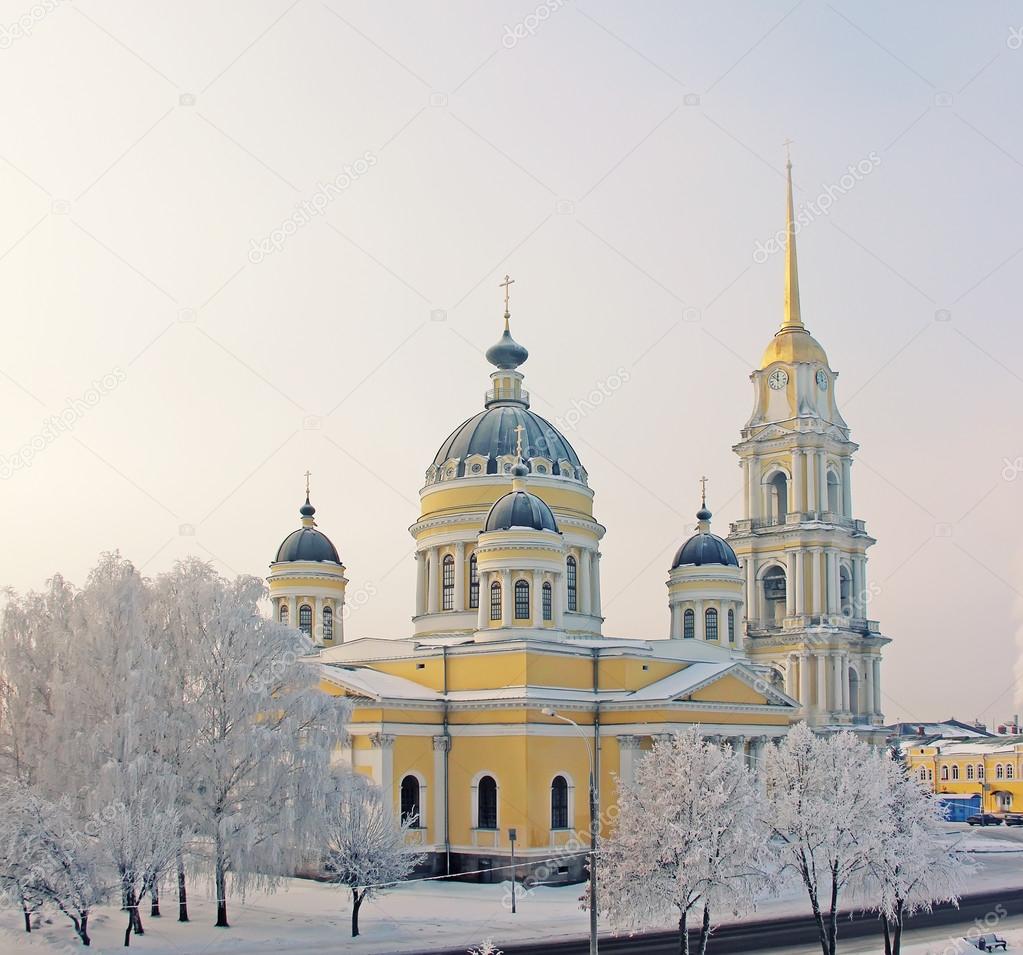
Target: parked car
{"type": "Point", "coordinates": [984, 819]}
{"type": "Point", "coordinates": [1014, 818]}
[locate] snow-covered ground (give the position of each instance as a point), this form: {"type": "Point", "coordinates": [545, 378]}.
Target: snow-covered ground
{"type": "Point", "coordinates": [314, 918]}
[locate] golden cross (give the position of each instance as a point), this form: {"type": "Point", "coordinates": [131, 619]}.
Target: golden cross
{"type": "Point", "coordinates": [308, 474]}
{"type": "Point", "coordinates": [703, 485]}
{"type": "Point", "coordinates": [506, 285]}
{"type": "Point", "coordinates": [518, 443]}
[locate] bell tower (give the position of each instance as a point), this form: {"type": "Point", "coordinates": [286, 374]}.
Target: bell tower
{"type": "Point", "coordinates": [803, 551]}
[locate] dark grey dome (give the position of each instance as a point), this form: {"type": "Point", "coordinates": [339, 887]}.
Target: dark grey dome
{"type": "Point", "coordinates": [492, 432]}
{"type": "Point", "coordinates": [520, 509]}
{"type": "Point", "coordinates": [507, 354]}
{"type": "Point", "coordinates": [307, 543]}
{"type": "Point", "coordinates": [705, 548]}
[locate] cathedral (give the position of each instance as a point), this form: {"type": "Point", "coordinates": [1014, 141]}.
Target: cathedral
{"type": "Point", "coordinates": [487, 724]}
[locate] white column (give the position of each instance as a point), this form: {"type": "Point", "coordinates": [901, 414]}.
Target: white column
{"type": "Point", "coordinates": [420, 583]}
{"type": "Point", "coordinates": [804, 679]}
{"type": "Point", "coordinates": [441, 745]}
{"type": "Point", "coordinates": [753, 505]}
{"type": "Point", "coordinates": [595, 585]}
{"type": "Point", "coordinates": [791, 575]}
{"type": "Point", "coordinates": [433, 585]}
{"type": "Point", "coordinates": [798, 491]}
{"type": "Point", "coordinates": [628, 750]}
{"type": "Point", "coordinates": [537, 598]}
{"type": "Point", "coordinates": [558, 598]}
{"type": "Point", "coordinates": [460, 603]}
{"type": "Point", "coordinates": [822, 479]}
{"type": "Point", "coordinates": [675, 629]}
{"type": "Point", "coordinates": [857, 588]}
{"type": "Point", "coordinates": [822, 682]}
{"type": "Point", "coordinates": [744, 464]}
{"type": "Point", "coordinates": [845, 682]}
{"type": "Point", "coordinates": [834, 587]}
{"type": "Point", "coordinates": [318, 620]}
{"type": "Point", "coordinates": [752, 593]}
{"type": "Point", "coordinates": [835, 696]}
{"type": "Point", "coordinates": [847, 487]}
{"type": "Point", "coordinates": [790, 675]}
{"type": "Point", "coordinates": [507, 599]}
{"type": "Point", "coordinates": [483, 614]}
{"type": "Point", "coordinates": [701, 621]}
{"type": "Point", "coordinates": [811, 479]}
{"type": "Point", "coordinates": [293, 612]}
{"type": "Point", "coordinates": [739, 629]}
{"type": "Point", "coordinates": [583, 581]}
{"type": "Point", "coordinates": [385, 743]}
{"type": "Point", "coordinates": [876, 662]}
{"type": "Point", "coordinates": [799, 584]}
{"type": "Point", "coordinates": [818, 575]}
{"type": "Point", "coordinates": [868, 680]}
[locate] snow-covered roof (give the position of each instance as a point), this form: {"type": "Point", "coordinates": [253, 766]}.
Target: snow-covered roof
{"type": "Point", "coordinates": [376, 685]}
{"type": "Point", "coordinates": [984, 746]}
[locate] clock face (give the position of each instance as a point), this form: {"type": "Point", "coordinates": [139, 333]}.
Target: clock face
{"type": "Point", "coordinates": [822, 379]}
{"type": "Point", "coordinates": [779, 379]}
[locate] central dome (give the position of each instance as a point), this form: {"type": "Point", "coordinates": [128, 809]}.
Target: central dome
{"type": "Point", "coordinates": [492, 434]}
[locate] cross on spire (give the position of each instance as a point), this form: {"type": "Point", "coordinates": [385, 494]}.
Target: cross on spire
{"type": "Point", "coordinates": [788, 153]}
{"type": "Point", "coordinates": [518, 440]}
{"type": "Point", "coordinates": [308, 474]}
{"type": "Point", "coordinates": [506, 285]}
{"type": "Point", "coordinates": [703, 489]}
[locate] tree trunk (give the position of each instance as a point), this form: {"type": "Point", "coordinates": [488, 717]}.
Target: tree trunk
{"type": "Point", "coordinates": [817, 915]}
{"type": "Point", "coordinates": [900, 918]}
{"type": "Point", "coordinates": [683, 933]}
{"type": "Point", "coordinates": [28, 916]}
{"type": "Point", "coordinates": [357, 898]}
{"type": "Point", "coordinates": [705, 929]}
{"type": "Point", "coordinates": [82, 928]}
{"type": "Point", "coordinates": [221, 884]}
{"type": "Point", "coordinates": [833, 920]}
{"type": "Point", "coordinates": [154, 908]}
{"type": "Point", "coordinates": [182, 893]}
{"type": "Point", "coordinates": [136, 915]}
{"type": "Point", "coordinates": [887, 935]}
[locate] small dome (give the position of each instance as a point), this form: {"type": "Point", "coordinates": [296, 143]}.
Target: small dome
{"type": "Point", "coordinates": [307, 543]}
{"type": "Point", "coordinates": [703, 549]}
{"type": "Point", "coordinates": [794, 345]}
{"type": "Point", "coordinates": [520, 509]}
{"type": "Point", "coordinates": [507, 354]}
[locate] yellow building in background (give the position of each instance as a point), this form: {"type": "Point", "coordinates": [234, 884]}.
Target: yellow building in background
{"type": "Point", "coordinates": [989, 768]}
{"type": "Point", "coordinates": [490, 718]}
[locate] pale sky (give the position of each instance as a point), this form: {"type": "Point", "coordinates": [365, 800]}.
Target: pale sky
{"type": "Point", "coordinates": [622, 162]}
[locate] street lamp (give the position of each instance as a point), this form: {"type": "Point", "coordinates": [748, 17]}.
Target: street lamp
{"type": "Point", "coordinates": [551, 712]}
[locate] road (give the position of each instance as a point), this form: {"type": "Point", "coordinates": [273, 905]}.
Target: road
{"type": "Point", "coordinates": [783, 934]}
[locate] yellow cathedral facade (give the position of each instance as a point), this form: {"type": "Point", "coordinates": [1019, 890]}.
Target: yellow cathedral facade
{"type": "Point", "coordinates": [490, 717]}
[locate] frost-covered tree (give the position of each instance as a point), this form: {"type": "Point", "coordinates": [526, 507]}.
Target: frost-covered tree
{"type": "Point", "coordinates": [825, 802]}
{"type": "Point", "coordinates": [46, 858]}
{"type": "Point", "coordinates": [367, 847]}
{"type": "Point", "coordinates": [262, 732]}
{"type": "Point", "coordinates": [687, 840]}
{"type": "Point", "coordinates": [918, 861]}
{"type": "Point", "coordinates": [486, 947]}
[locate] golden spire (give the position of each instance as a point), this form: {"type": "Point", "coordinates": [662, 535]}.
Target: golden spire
{"type": "Point", "coordinates": [792, 317]}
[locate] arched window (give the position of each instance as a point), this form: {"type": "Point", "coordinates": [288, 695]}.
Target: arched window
{"type": "Point", "coordinates": [1009, 771]}
{"type": "Point", "coordinates": [834, 493]}
{"type": "Point", "coordinates": [778, 498]}
{"type": "Point", "coordinates": [521, 600]}
{"type": "Point", "coordinates": [486, 803]}
{"type": "Point", "coordinates": [999, 772]}
{"type": "Point", "coordinates": [474, 583]}
{"type": "Point", "coordinates": [774, 596]}
{"type": "Point", "coordinates": [559, 803]}
{"type": "Point", "coordinates": [495, 601]}
{"type": "Point", "coordinates": [731, 626]}
{"type": "Point", "coordinates": [845, 591]}
{"type": "Point", "coordinates": [410, 808]}
{"type": "Point", "coordinates": [980, 770]}
{"type": "Point", "coordinates": [923, 774]}
{"type": "Point", "coordinates": [571, 573]}
{"type": "Point", "coordinates": [282, 614]}
{"type": "Point", "coordinates": [688, 625]}
{"type": "Point", "coordinates": [969, 771]}
{"type": "Point", "coordinates": [944, 774]}
{"type": "Point", "coordinates": [448, 584]}
{"type": "Point", "coordinates": [328, 623]}
{"type": "Point", "coordinates": [305, 619]}
{"type": "Point", "coordinates": [955, 774]}
{"type": "Point", "coordinates": [710, 622]}
{"type": "Point", "coordinates": [548, 602]}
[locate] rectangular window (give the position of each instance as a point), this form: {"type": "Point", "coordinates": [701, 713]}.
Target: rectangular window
{"type": "Point", "coordinates": [572, 583]}
{"type": "Point", "coordinates": [548, 602]}
{"type": "Point", "coordinates": [474, 583]}
{"type": "Point", "coordinates": [495, 601]}
{"type": "Point", "coordinates": [521, 600]}
{"type": "Point", "coordinates": [448, 588]}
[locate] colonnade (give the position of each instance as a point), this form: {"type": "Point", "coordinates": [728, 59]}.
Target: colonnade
{"type": "Point", "coordinates": [833, 687]}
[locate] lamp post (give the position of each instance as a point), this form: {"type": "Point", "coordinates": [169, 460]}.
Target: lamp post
{"type": "Point", "coordinates": [549, 711]}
